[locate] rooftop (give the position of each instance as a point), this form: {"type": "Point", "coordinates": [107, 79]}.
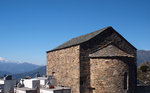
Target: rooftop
{"type": "Point", "coordinates": [25, 89]}
{"type": "Point", "coordinates": [84, 38]}
{"type": "Point", "coordinates": [56, 88]}
{"type": "Point", "coordinates": [80, 39]}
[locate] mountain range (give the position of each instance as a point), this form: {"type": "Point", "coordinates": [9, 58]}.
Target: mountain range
{"type": "Point", "coordinates": [20, 70]}
{"type": "Point", "coordinates": [143, 56]}
{"type": "Point", "coordinates": [41, 70]}
{"type": "Point", "coordinates": [3, 73]}
{"type": "Point", "coordinates": [15, 67]}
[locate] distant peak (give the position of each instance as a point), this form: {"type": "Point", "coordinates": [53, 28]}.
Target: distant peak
{"type": "Point", "coordinates": [3, 59]}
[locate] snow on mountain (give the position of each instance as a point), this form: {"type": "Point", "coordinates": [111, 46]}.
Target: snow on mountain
{"type": "Point", "coordinates": [2, 59]}
{"type": "Point", "coordinates": [16, 67]}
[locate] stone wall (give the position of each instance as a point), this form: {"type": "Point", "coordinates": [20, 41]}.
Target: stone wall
{"type": "Point", "coordinates": [107, 75]}
{"type": "Point", "coordinates": [84, 71]}
{"type": "Point", "coordinates": [65, 63]}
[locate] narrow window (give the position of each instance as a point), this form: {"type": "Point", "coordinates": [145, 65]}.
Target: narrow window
{"type": "Point", "coordinates": [125, 80]}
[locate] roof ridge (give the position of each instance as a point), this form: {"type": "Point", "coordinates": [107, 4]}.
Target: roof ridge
{"type": "Point", "coordinates": [80, 39]}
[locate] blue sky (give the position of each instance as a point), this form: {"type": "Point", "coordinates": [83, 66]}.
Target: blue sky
{"type": "Point", "coordinates": [29, 28]}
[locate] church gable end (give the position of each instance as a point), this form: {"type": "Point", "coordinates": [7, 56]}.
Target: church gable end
{"type": "Point", "coordinates": [109, 51]}
{"type": "Point", "coordinates": [109, 36]}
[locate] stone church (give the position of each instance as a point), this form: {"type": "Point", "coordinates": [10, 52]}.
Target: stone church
{"type": "Point", "coordinates": [99, 62]}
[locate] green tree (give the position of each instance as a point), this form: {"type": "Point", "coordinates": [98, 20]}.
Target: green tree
{"type": "Point", "coordinates": [144, 68]}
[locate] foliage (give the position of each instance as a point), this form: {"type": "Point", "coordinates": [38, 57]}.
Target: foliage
{"type": "Point", "coordinates": [144, 68]}
{"type": "Point", "coordinates": [143, 73]}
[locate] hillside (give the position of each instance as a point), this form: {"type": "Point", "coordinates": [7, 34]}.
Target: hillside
{"type": "Point", "coordinates": [2, 73]}
{"type": "Point", "coordinates": [143, 56]}
{"type": "Point", "coordinates": [143, 73]}
{"type": "Point", "coordinates": [40, 70]}
{"type": "Point", "coordinates": [14, 67]}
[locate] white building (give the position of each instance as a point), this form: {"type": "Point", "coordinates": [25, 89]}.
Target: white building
{"type": "Point", "coordinates": [31, 83]}
{"type": "Point", "coordinates": [40, 85]}
{"type": "Point", "coordinates": [1, 88]}
{"type": "Point", "coordinates": [24, 90]}
{"type": "Point", "coordinates": [8, 83]}
{"type": "Point", "coordinates": [44, 80]}
{"type": "Point", "coordinates": [56, 90]}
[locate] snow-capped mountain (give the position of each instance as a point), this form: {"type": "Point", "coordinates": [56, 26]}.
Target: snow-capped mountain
{"type": "Point", "coordinates": [2, 59]}
{"type": "Point", "coordinates": [16, 67]}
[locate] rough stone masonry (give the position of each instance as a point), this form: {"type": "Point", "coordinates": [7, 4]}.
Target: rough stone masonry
{"type": "Point", "coordinates": [99, 62]}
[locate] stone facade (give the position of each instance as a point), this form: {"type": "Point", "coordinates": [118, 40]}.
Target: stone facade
{"type": "Point", "coordinates": [107, 75]}
{"type": "Point", "coordinates": [102, 63]}
{"type": "Point", "coordinates": [65, 64]}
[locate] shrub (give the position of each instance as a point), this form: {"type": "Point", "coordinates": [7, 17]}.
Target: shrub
{"type": "Point", "coordinates": [144, 68]}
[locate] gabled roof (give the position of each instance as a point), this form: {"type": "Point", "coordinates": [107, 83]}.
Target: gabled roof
{"type": "Point", "coordinates": [80, 39]}
{"type": "Point", "coordinates": [110, 51]}
{"type": "Point", "coordinates": [84, 38]}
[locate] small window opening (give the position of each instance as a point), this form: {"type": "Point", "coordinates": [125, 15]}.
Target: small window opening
{"type": "Point", "coordinates": [125, 80]}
